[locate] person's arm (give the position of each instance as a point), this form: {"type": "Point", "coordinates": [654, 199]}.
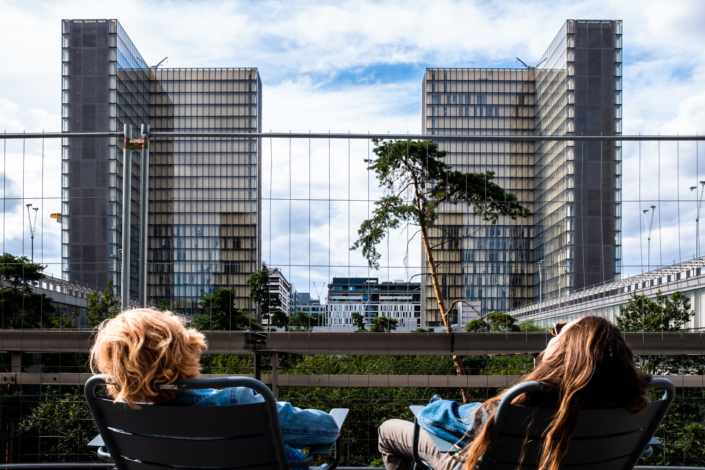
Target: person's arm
{"type": "Point", "coordinates": [306, 428]}
{"type": "Point", "coordinates": [300, 428]}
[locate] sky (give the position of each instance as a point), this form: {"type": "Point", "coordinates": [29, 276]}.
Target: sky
{"type": "Point", "coordinates": [357, 67]}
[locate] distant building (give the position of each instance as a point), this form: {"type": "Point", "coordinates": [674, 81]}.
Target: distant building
{"type": "Point", "coordinates": [371, 299]}
{"type": "Point", "coordinates": [304, 303]}
{"type": "Point", "coordinates": [280, 286]}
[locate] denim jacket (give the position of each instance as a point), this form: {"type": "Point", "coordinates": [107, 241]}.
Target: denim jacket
{"type": "Point", "coordinates": [450, 421]}
{"type": "Point", "coordinates": [300, 428]}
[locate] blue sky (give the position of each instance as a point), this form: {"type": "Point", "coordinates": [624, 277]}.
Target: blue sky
{"type": "Point", "coordinates": [357, 66]}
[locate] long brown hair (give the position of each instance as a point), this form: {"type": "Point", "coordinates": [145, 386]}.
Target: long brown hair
{"type": "Point", "coordinates": [142, 347]}
{"type": "Point", "coordinates": [591, 360]}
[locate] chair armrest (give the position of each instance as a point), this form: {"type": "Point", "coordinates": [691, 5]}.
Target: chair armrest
{"type": "Point", "coordinates": [416, 410]}
{"type": "Point", "coordinates": [97, 442]}
{"type": "Point", "coordinates": [339, 415]}
{"type": "Point", "coordinates": [323, 450]}
{"type": "Point", "coordinates": [103, 454]}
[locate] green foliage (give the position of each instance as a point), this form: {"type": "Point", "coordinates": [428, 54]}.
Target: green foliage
{"type": "Point", "coordinates": [221, 314]}
{"type": "Point", "coordinates": [358, 320]}
{"type": "Point", "coordinates": [21, 306]}
{"type": "Point", "coordinates": [301, 321]}
{"type": "Point", "coordinates": [494, 322]}
{"type": "Point", "coordinates": [232, 364]}
{"type": "Point", "coordinates": [384, 325]}
{"type": "Point", "coordinates": [266, 301]}
{"type": "Point", "coordinates": [414, 165]}
{"type": "Point", "coordinates": [163, 305]}
{"type": "Point", "coordinates": [508, 365]}
{"type": "Point", "coordinates": [63, 426]}
{"type": "Point", "coordinates": [530, 326]}
{"type": "Point", "coordinates": [423, 330]}
{"type": "Point", "coordinates": [661, 314]}
{"type": "Point", "coordinates": [102, 307]}
{"type": "Point", "coordinates": [681, 432]}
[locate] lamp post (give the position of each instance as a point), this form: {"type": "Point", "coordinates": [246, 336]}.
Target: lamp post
{"type": "Point", "coordinates": [648, 236]}
{"type": "Point", "coordinates": [32, 228]}
{"type": "Point", "coordinates": [697, 201]}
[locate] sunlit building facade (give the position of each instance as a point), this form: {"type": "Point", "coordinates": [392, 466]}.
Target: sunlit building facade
{"type": "Point", "coordinates": [205, 207]}
{"type": "Point", "coordinates": [573, 238]}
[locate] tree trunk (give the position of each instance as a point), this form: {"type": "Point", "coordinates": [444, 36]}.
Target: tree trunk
{"type": "Point", "coordinates": [457, 360]}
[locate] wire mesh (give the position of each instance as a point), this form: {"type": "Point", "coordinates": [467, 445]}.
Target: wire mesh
{"type": "Point", "coordinates": [313, 195]}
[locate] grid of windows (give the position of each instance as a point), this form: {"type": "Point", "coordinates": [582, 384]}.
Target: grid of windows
{"type": "Point", "coordinates": [204, 193]}
{"type": "Point", "coordinates": [105, 85]}
{"type": "Point", "coordinates": [573, 190]}
{"type": "Point", "coordinates": [477, 260]}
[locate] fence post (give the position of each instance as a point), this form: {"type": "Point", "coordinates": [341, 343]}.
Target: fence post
{"type": "Point", "coordinates": [144, 216]}
{"type": "Point", "coordinates": [258, 366]}
{"type": "Point", "coordinates": [274, 359]}
{"type": "Point", "coordinates": [126, 216]}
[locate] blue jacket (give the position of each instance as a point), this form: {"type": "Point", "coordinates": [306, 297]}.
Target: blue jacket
{"type": "Point", "coordinates": [450, 421]}
{"type": "Point", "coordinates": [300, 428]}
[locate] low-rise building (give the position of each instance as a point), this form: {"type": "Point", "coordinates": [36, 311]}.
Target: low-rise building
{"type": "Point", "coordinates": [282, 288]}
{"type": "Point", "coordinates": [370, 298]}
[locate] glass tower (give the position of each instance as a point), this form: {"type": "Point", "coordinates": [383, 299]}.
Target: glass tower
{"type": "Point", "coordinates": [105, 84]}
{"type": "Point", "coordinates": [573, 239]}
{"type": "Point", "coordinates": [204, 221]}
{"type": "Point", "coordinates": [204, 193]}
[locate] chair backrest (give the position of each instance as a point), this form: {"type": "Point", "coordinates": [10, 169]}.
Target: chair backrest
{"type": "Point", "coordinates": [154, 437]}
{"type": "Point", "coordinates": [604, 439]}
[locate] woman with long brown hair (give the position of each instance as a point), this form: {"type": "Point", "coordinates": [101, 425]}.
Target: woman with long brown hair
{"type": "Point", "coordinates": [587, 364]}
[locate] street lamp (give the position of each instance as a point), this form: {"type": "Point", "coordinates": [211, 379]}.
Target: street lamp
{"type": "Point", "coordinates": [32, 228]}
{"type": "Point", "coordinates": [697, 201]}
{"type": "Point", "coordinates": [648, 236]}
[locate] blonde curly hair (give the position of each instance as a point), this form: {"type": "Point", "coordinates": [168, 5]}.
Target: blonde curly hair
{"type": "Point", "coordinates": [143, 347]}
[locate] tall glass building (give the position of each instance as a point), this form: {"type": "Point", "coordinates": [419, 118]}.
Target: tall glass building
{"type": "Point", "coordinates": [573, 239]}
{"type": "Point", "coordinates": [204, 221]}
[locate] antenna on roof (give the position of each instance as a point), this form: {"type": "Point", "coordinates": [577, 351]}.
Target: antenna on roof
{"type": "Point", "coordinates": [160, 63]}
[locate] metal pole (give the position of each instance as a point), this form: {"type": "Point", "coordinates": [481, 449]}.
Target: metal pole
{"type": "Point", "coordinates": [144, 217]}
{"type": "Point", "coordinates": [274, 359]}
{"type": "Point", "coordinates": [126, 216]}
{"type": "Point", "coordinates": [648, 236]}
{"type": "Point", "coordinates": [325, 135]}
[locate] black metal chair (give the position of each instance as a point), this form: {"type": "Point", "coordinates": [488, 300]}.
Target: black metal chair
{"type": "Point", "coordinates": [246, 437]}
{"type": "Point", "coordinates": [605, 439]}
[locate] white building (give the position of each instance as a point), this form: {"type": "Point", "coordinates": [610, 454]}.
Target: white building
{"type": "Point", "coordinates": [280, 286]}
{"type": "Point", "coordinates": [371, 299]}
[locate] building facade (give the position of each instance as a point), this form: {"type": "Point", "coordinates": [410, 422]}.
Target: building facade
{"type": "Point", "coordinates": [279, 286]}
{"type": "Point", "coordinates": [204, 208]}
{"type": "Point", "coordinates": [304, 303]}
{"type": "Point", "coordinates": [371, 299]}
{"type": "Point", "coordinates": [572, 240]}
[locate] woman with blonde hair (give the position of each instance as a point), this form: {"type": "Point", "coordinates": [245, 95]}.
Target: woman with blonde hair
{"type": "Point", "coordinates": [587, 364]}
{"type": "Point", "coordinates": [141, 349]}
